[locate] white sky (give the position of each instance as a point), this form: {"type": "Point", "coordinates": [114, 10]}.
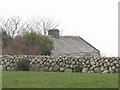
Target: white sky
{"type": "Point", "coordinates": [96, 21]}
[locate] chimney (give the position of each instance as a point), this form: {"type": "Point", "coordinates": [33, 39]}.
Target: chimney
{"type": "Point", "coordinates": [54, 33]}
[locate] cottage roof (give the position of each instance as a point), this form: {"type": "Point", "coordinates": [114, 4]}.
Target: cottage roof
{"type": "Point", "coordinates": [71, 44]}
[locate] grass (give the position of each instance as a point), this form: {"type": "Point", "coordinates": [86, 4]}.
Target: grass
{"type": "Point", "coordinates": [0, 79]}
{"type": "Point", "coordinates": [15, 79]}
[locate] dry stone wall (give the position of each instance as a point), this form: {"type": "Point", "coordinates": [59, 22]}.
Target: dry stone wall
{"type": "Point", "coordinates": [86, 64]}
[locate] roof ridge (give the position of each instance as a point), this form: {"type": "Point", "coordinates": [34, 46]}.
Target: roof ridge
{"type": "Point", "coordinates": [89, 44]}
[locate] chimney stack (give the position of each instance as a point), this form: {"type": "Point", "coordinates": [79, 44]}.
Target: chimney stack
{"type": "Point", "coordinates": [54, 33]}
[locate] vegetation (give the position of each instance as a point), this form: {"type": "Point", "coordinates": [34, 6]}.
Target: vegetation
{"type": "Point", "coordinates": [23, 65]}
{"type": "Point", "coordinates": [5, 39]}
{"type": "Point", "coordinates": [78, 68]}
{"type": "Point", "coordinates": [28, 44]}
{"type": "Point", "coordinates": [27, 38]}
{"type": "Point", "coordinates": [59, 80]}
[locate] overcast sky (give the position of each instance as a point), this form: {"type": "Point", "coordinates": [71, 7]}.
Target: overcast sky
{"type": "Point", "coordinates": [96, 21]}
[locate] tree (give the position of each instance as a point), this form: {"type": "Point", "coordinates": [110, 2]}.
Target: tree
{"type": "Point", "coordinates": [29, 44]}
{"type": "Point", "coordinates": [5, 39]}
{"type": "Point", "coordinates": [44, 24]}
{"type": "Point", "coordinates": [13, 25]}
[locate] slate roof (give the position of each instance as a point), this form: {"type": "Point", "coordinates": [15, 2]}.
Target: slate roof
{"type": "Point", "coordinates": [72, 45]}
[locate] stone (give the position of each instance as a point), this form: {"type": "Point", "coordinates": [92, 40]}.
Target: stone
{"type": "Point", "coordinates": [111, 64]}
{"type": "Point", "coordinates": [91, 71]}
{"type": "Point", "coordinates": [105, 71]}
{"type": "Point", "coordinates": [105, 64]}
{"type": "Point", "coordinates": [68, 70]}
{"type": "Point", "coordinates": [53, 64]}
{"type": "Point", "coordinates": [115, 62]}
{"type": "Point", "coordinates": [8, 68]}
{"type": "Point", "coordinates": [102, 68]}
{"type": "Point", "coordinates": [46, 69]}
{"type": "Point", "coordinates": [71, 66]}
{"type": "Point", "coordinates": [50, 69]}
{"type": "Point", "coordinates": [67, 66]}
{"type": "Point", "coordinates": [62, 69]}
{"type": "Point", "coordinates": [8, 64]}
{"type": "Point", "coordinates": [60, 63]}
{"type": "Point", "coordinates": [31, 63]}
{"type": "Point", "coordinates": [106, 60]}
{"type": "Point", "coordinates": [50, 61]}
{"type": "Point", "coordinates": [85, 70]}
{"type": "Point", "coordinates": [92, 63]}
{"type": "Point", "coordinates": [56, 68]}
{"type": "Point", "coordinates": [91, 68]}
{"type": "Point", "coordinates": [108, 63]}
{"type": "Point", "coordinates": [41, 62]}
{"type": "Point", "coordinates": [87, 62]}
{"type": "Point", "coordinates": [73, 62]}
{"type": "Point", "coordinates": [97, 70]}
{"type": "Point", "coordinates": [117, 70]}
{"type": "Point", "coordinates": [113, 67]}
{"type": "Point", "coordinates": [1, 68]}
{"type": "Point", "coordinates": [48, 64]}
{"type": "Point", "coordinates": [2, 63]}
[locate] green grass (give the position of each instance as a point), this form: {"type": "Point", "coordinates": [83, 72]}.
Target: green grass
{"type": "Point", "coordinates": [59, 80]}
{"type": "Point", "coordinates": [0, 79]}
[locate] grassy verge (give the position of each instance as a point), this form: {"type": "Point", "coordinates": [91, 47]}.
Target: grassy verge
{"type": "Point", "coordinates": [58, 80]}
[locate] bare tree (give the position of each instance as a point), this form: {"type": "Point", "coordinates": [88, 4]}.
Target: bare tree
{"type": "Point", "coordinates": [44, 24]}
{"type": "Point", "coordinates": [13, 25]}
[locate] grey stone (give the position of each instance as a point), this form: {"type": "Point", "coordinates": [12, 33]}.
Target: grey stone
{"type": "Point", "coordinates": [108, 63]}
{"type": "Point", "coordinates": [41, 62]}
{"type": "Point", "coordinates": [97, 70]}
{"type": "Point", "coordinates": [71, 66]}
{"type": "Point", "coordinates": [61, 63]}
{"type": "Point", "coordinates": [31, 63]}
{"type": "Point", "coordinates": [91, 68]}
{"type": "Point", "coordinates": [73, 62]}
{"type": "Point", "coordinates": [1, 68]}
{"type": "Point", "coordinates": [85, 70]}
{"type": "Point", "coordinates": [117, 70]}
{"type": "Point", "coordinates": [8, 64]}
{"type": "Point", "coordinates": [51, 69]}
{"type": "Point", "coordinates": [97, 63]}
{"type": "Point", "coordinates": [105, 71]}
{"type": "Point", "coordinates": [68, 70]}
{"type": "Point", "coordinates": [117, 65]}
{"type": "Point", "coordinates": [87, 62]}
{"type": "Point", "coordinates": [62, 69]}
{"type": "Point", "coordinates": [115, 62]}
{"type": "Point", "coordinates": [48, 64]}
{"type": "Point", "coordinates": [56, 68]}
{"type": "Point", "coordinates": [67, 66]}
{"type": "Point", "coordinates": [8, 68]}
{"type": "Point", "coordinates": [106, 60]}
{"type": "Point", "coordinates": [102, 68]}
{"type": "Point", "coordinates": [113, 67]}
{"type": "Point", "coordinates": [105, 64]}
{"type": "Point", "coordinates": [92, 63]}
{"type": "Point", "coordinates": [111, 64]}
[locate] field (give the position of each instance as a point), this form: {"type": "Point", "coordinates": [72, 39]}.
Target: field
{"type": "Point", "coordinates": [21, 79]}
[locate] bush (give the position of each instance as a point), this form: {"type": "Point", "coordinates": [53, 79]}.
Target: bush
{"type": "Point", "coordinates": [78, 68]}
{"type": "Point", "coordinates": [6, 38]}
{"type": "Point", "coordinates": [29, 44]}
{"type": "Point", "coordinates": [23, 65]}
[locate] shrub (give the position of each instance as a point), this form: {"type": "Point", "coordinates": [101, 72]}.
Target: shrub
{"type": "Point", "coordinates": [23, 65]}
{"type": "Point", "coordinates": [6, 38]}
{"type": "Point", "coordinates": [29, 44]}
{"type": "Point", "coordinates": [78, 68]}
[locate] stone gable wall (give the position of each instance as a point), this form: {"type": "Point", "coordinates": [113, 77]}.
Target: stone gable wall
{"type": "Point", "coordinates": [86, 64]}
